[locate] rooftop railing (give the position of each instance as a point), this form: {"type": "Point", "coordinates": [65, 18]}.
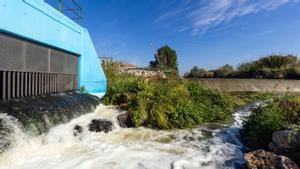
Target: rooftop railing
{"type": "Point", "coordinates": [70, 8]}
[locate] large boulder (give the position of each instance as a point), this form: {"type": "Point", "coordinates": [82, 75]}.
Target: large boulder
{"type": "Point", "coordinates": [287, 143]}
{"type": "Point", "coordinates": [284, 141]}
{"type": "Point", "coordinates": [281, 138]}
{"type": "Point", "coordinates": [261, 159]}
{"type": "Point", "coordinates": [99, 125]}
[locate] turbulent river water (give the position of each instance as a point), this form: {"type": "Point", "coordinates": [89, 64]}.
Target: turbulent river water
{"type": "Point", "coordinates": [211, 146]}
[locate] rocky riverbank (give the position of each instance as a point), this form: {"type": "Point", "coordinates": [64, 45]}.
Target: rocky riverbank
{"type": "Point", "coordinates": [285, 145]}
{"type": "Point", "coordinates": [261, 159]}
{"type": "Point", "coordinates": [273, 132]}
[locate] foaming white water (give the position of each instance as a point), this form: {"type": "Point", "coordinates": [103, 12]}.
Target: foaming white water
{"type": "Point", "coordinates": [133, 148]}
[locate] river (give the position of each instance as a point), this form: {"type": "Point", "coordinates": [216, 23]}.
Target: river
{"type": "Point", "coordinates": [210, 146]}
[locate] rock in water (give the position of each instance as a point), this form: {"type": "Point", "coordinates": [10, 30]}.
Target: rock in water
{"type": "Point", "coordinates": [77, 130]}
{"type": "Point", "coordinates": [261, 159]}
{"type": "Point", "coordinates": [124, 120]}
{"type": "Point", "coordinates": [99, 125]}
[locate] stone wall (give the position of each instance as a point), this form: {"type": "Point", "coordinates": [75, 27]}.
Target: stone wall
{"type": "Point", "coordinates": [139, 72]}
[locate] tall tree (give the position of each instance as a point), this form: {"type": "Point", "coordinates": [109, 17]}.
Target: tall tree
{"type": "Point", "coordinates": [165, 58]}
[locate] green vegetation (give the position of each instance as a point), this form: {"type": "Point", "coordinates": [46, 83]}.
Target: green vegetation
{"type": "Point", "coordinates": [82, 88]}
{"type": "Point", "coordinates": [243, 98]}
{"type": "Point", "coordinates": [167, 104]}
{"type": "Point", "coordinates": [277, 115]}
{"type": "Point", "coordinates": [171, 103]}
{"type": "Point", "coordinates": [270, 67]}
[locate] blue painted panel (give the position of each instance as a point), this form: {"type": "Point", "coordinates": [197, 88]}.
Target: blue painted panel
{"type": "Point", "coordinates": [38, 21]}
{"type": "Point", "coordinates": [92, 78]}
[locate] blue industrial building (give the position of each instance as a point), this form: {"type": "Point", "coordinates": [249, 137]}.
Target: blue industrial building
{"type": "Point", "coordinates": [31, 30]}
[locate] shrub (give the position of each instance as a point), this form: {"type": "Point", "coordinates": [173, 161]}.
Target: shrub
{"type": "Point", "coordinates": [269, 67]}
{"type": "Point", "coordinates": [224, 71]}
{"type": "Point", "coordinates": [278, 115]}
{"type": "Point", "coordinates": [260, 126]}
{"type": "Point", "coordinates": [167, 104]}
{"type": "Point", "coordinates": [276, 61]}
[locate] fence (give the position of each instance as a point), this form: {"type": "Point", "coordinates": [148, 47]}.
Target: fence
{"type": "Point", "coordinates": [70, 8]}
{"type": "Point", "coordinates": [28, 68]}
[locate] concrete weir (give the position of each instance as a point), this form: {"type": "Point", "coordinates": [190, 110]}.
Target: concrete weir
{"type": "Point", "coordinates": [42, 51]}
{"type": "Point", "coordinates": [251, 85]}
{"type": "Point", "coordinates": [38, 114]}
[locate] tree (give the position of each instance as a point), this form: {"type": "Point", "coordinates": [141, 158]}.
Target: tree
{"type": "Point", "coordinates": [224, 71]}
{"type": "Point", "coordinates": [277, 61]}
{"type": "Point", "coordinates": [195, 72]}
{"type": "Point", "coordinates": [165, 58]}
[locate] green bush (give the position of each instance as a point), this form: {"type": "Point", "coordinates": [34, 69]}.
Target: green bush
{"type": "Point", "coordinates": [277, 115]}
{"type": "Point", "coordinates": [262, 124]}
{"type": "Point", "coordinates": [167, 104]}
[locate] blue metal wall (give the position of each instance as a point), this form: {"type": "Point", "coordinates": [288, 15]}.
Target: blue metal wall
{"type": "Point", "coordinates": [36, 20]}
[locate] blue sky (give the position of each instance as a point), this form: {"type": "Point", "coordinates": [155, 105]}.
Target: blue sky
{"type": "Point", "coordinates": [206, 33]}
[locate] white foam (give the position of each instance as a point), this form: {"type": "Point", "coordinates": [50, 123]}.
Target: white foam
{"type": "Point", "coordinates": [133, 148]}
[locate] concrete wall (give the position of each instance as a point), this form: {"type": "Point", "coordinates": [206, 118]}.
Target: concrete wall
{"type": "Point", "coordinates": [37, 21]}
{"type": "Point", "coordinates": [254, 85]}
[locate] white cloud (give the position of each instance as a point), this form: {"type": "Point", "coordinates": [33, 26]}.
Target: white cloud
{"type": "Point", "coordinates": [200, 15]}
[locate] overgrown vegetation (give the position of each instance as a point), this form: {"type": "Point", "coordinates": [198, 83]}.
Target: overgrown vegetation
{"type": "Point", "coordinates": [277, 115]}
{"type": "Point", "coordinates": [170, 103]}
{"type": "Point", "coordinates": [167, 104]}
{"type": "Point", "coordinates": [270, 67]}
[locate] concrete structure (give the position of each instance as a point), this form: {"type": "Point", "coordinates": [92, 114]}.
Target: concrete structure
{"type": "Point", "coordinates": [251, 85]}
{"type": "Point", "coordinates": [37, 22]}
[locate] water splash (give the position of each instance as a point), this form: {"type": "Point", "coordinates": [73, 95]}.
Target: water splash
{"type": "Point", "coordinates": [10, 132]}
{"type": "Point", "coordinates": [129, 148]}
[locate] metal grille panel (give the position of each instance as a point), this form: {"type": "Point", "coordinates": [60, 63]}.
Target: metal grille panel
{"type": "Point", "coordinates": [27, 69]}
{"type": "Point", "coordinates": [37, 58]}
{"type": "Point", "coordinates": [21, 55]}
{"type": "Point", "coordinates": [57, 61]}
{"type": "Point", "coordinates": [71, 64]}
{"type": "Point", "coordinates": [12, 53]}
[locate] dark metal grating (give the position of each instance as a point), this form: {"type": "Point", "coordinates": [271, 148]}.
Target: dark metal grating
{"type": "Point", "coordinates": [20, 55]}
{"type": "Point", "coordinates": [28, 69]}
{"type": "Point", "coordinates": [71, 64]}
{"type": "Point", "coordinates": [11, 53]}
{"type": "Point", "coordinates": [57, 61]}
{"type": "Point", "coordinates": [37, 58]}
